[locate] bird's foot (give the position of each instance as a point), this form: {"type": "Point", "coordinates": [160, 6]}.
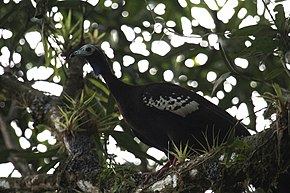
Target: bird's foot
{"type": "Point", "coordinates": [158, 174]}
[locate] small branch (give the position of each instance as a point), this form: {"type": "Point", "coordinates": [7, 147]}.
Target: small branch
{"type": "Point", "coordinates": [34, 183]}
{"type": "Point", "coordinates": [40, 10]}
{"type": "Point", "coordinates": [20, 91]}
{"type": "Point", "coordinates": [10, 142]}
{"type": "Point", "coordinates": [284, 63]}
{"type": "Point", "coordinates": [74, 82]}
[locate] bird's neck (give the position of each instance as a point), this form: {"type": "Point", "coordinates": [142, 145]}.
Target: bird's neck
{"type": "Point", "coordinates": [119, 89]}
{"type": "Point", "coordinates": [116, 86]}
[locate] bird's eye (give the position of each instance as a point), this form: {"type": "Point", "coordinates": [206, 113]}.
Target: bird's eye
{"type": "Point", "coordinates": [88, 49]}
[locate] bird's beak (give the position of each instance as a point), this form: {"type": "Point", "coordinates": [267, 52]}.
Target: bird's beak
{"type": "Point", "coordinates": [75, 53]}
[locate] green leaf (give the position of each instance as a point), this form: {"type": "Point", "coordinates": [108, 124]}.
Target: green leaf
{"type": "Point", "coordinates": [263, 43]}
{"type": "Point", "coordinates": [277, 90]}
{"type": "Point", "coordinates": [99, 85]}
{"type": "Point", "coordinates": [220, 80]}
{"type": "Point", "coordinates": [261, 46]}
{"type": "Point", "coordinates": [280, 17]}
{"type": "Point", "coordinates": [110, 106]}
{"type": "Point", "coordinates": [255, 30]}
{"type": "Point", "coordinates": [68, 21]}
{"type": "Point", "coordinates": [274, 73]}
{"type": "Point", "coordinates": [77, 25]}
{"type": "Point", "coordinates": [34, 155]}
{"type": "Point", "coordinates": [229, 64]}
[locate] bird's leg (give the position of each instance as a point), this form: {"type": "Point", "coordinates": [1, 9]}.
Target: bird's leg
{"type": "Point", "coordinates": [166, 166]}
{"type": "Point", "coordinates": [160, 172]}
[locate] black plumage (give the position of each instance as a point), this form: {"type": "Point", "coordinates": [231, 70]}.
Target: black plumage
{"type": "Point", "coordinates": [162, 113]}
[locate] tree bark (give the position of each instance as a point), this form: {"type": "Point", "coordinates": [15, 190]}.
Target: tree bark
{"type": "Point", "coordinates": [255, 161]}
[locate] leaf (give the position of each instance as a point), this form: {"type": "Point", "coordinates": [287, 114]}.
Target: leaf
{"type": "Point", "coordinates": [263, 44]}
{"type": "Point", "coordinates": [33, 155]}
{"type": "Point", "coordinates": [110, 105]}
{"type": "Point", "coordinates": [255, 30]}
{"type": "Point", "coordinates": [274, 73]}
{"type": "Point", "coordinates": [68, 21]}
{"type": "Point", "coordinates": [277, 90]}
{"type": "Point", "coordinates": [228, 63]}
{"type": "Point", "coordinates": [99, 85]}
{"type": "Point", "coordinates": [280, 17]}
{"type": "Point", "coordinates": [218, 82]}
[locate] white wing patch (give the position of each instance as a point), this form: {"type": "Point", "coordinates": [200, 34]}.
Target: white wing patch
{"type": "Point", "coordinates": [180, 105]}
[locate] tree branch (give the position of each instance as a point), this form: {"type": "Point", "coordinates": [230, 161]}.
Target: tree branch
{"type": "Point", "coordinates": [40, 104]}
{"type": "Point", "coordinates": [20, 91]}
{"type": "Point", "coordinates": [10, 142]}
{"type": "Point", "coordinates": [74, 82]}
{"type": "Point", "coordinates": [256, 160]}
{"type": "Point", "coordinates": [33, 183]}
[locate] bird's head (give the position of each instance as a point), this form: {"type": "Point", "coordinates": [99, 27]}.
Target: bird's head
{"type": "Point", "coordinates": [93, 55]}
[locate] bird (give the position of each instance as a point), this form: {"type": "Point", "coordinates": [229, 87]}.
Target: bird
{"type": "Point", "coordinates": [162, 114]}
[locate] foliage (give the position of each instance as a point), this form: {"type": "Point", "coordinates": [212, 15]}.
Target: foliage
{"type": "Point", "coordinates": [132, 34]}
{"type": "Point", "coordinates": [181, 153]}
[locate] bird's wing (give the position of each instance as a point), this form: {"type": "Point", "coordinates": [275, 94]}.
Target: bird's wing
{"type": "Point", "coordinates": [170, 98]}
{"type": "Point", "coordinates": [187, 104]}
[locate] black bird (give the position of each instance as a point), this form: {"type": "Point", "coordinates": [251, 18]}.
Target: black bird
{"type": "Point", "coordinates": [162, 113]}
